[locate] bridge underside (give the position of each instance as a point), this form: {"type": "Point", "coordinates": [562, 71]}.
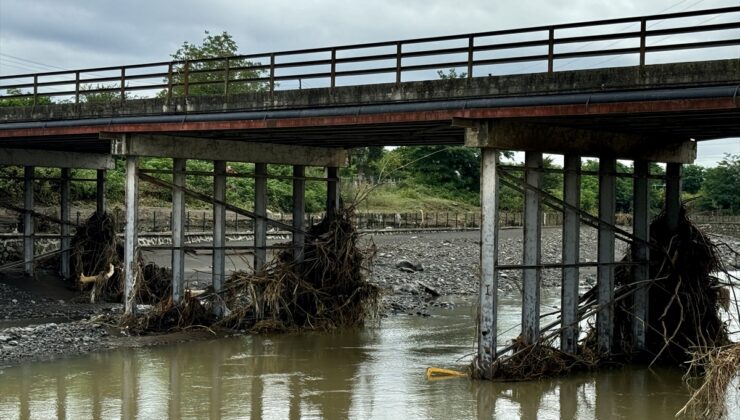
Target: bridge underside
{"type": "Point", "coordinates": [698, 125]}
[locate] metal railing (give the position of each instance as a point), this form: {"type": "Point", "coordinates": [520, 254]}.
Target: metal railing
{"type": "Point", "coordinates": [265, 72]}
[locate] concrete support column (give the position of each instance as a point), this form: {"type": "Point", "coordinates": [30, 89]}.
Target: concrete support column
{"type": "Point", "coordinates": [571, 253]}
{"type": "Point", "coordinates": [672, 193]}
{"type": "Point", "coordinates": [640, 251]}
{"type": "Point", "coordinates": [532, 249]}
{"type": "Point", "coordinates": [219, 230]}
{"type": "Point", "coordinates": [131, 266]}
{"type": "Point", "coordinates": [28, 229]}
{"type": "Point", "coordinates": [605, 272]}
{"type": "Point", "coordinates": [260, 209]}
{"type": "Point", "coordinates": [332, 190]}
{"type": "Point", "coordinates": [299, 211]}
{"type": "Point", "coordinates": [100, 202]}
{"type": "Point", "coordinates": [178, 230]}
{"type": "Point", "coordinates": [488, 293]}
{"type": "Point", "coordinates": [65, 240]}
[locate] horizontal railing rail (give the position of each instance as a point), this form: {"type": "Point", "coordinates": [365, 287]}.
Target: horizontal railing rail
{"type": "Point", "coordinates": [266, 71]}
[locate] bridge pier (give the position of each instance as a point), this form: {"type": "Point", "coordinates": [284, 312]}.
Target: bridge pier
{"type": "Point", "coordinates": [130, 260]}
{"type": "Point", "coordinates": [488, 292]}
{"type": "Point", "coordinates": [571, 234]}
{"type": "Point", "coordinates": [495, 135]}
{"type": "Point", "coordinates": [260, 222]}
{"type": "Point", "coordinates": [299, 212]}
{"type": "Point", "coordinates": [28, 228]}
{"type": "Point", "coordinates": [218, 273]}
{"type": "Point", "coordinates": [100, 201]}
{"type": "Point", "coordinates": [64, 231]}
{"type": "Point", "coordinates": [131, 146]}
{"type": "Point", "coordinates": [640, 250]}
{"type": "Point", "coordinates": [532, 257]}
{"type": "Point", "coordinates": [332, 190]}
{"type": "Point", "coordinates": [178, 229]}
{"type": "Point", "coordinates": [605, 253]}
{"type": "Point", "coordinates": [30, 159]}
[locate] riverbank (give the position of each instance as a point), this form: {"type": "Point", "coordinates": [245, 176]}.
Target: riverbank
{"type": "Point", "coordinates": [41, 319]}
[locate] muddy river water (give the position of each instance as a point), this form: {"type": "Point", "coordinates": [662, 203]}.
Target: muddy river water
{"type": "Point", "coordinates": [375, 372]}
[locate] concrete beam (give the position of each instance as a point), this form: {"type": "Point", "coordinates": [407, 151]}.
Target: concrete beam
{"type": "Point", "coordinates": [178, 230]}
{"type": "Point", "coordinates": [488, 293]}
{"type": "Point", "coordinates": [531, 277]}
{"type": "Point", "coordinates": [228, 150]}
{"type": "Point", "coordinates": [28, 230]}
{"type": "Point", "coordinates": [260, 222]}
{"type": "Point", "coordinates": [513, 135]}
{"type": "Point", "coordinates": [65, 241]}
{"type": "Point", "coordinates": [54, 159]}
{"type": "Point", "coordinates": [130, 263]}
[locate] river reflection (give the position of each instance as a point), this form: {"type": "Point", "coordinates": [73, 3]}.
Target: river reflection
{"type": "Point", "coordinates": [377, 372]}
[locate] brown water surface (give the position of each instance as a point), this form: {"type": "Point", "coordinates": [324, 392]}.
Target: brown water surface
{"type": "Point", "coordinates": [377, 372]}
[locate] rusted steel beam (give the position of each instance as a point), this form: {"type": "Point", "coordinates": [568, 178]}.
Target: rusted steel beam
{"type": "Point", "coordinates": [646, 107]}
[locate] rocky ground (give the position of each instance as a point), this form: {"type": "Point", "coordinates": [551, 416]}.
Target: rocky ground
{"type": "Point", "coordinates": [42, 319]}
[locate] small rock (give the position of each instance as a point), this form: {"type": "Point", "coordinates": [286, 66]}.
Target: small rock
{"type": "Point", "coordinates": [406, 265]}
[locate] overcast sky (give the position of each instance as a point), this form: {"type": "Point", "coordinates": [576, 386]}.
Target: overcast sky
{"type": "Point", "coordinates": [44, 35]}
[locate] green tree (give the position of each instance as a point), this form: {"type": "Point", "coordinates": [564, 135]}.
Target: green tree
{"type": "Point", "coordinates": [693, 178]}
{"type": "Point", "coordinates": [210, 65]}
{"type": "Point", "coordinates": [721, 188]}
{"type": "Point", "coordinates": [100, 94]}
{"type": "Point", "coordinates": [451, 74]}
{"type": "Point", "coordinates": [25, 101]}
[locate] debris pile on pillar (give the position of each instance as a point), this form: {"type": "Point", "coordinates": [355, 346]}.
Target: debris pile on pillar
{"type": "Point", "coordinates": [328, 288]}
{"type": "Point", "coordinates": [97, 264]}
{"type": "Point", "coordinates": [683, 316]}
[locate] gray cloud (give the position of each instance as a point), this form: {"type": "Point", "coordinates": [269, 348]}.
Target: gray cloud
{"type": "Point", "coordinates": [82, 33]}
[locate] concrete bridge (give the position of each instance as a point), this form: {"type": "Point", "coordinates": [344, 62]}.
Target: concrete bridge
{"type": "Point", "coordinates": [654, 107]}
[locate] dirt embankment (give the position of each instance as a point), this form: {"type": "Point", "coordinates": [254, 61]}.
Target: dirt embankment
{"type": "Point", "coordinates": [39, 321]}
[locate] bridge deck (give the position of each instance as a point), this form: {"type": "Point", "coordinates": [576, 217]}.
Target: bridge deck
{"type": "Point", "coordinates": [679, 101]}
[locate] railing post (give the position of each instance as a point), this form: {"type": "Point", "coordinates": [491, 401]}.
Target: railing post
{"type": "Point", "coordinates": [551, 50]}
{"type": "Point", "coordinates": [226, 78]}
{"type": "Point", "coordinates": [77, 87]}
{"type": "Point", "coordinates": [399, 46]}
{"type": "Point", "coordinates": [471, 46]}
{"type": "Point", "coordinates": [169, 82]}
{"type": "Point", "coordinates": [333, 67]}
{"type": "Point", "coordinates": [643, 35]}
{"type": "Point", "coordinates": [35, 88]}
{"type": "Point", "coordinates": [186, 79]}
{"type": "Point", "coordinates": [272, 73]}
{"type": "Point", "coordinates": [123, 84]}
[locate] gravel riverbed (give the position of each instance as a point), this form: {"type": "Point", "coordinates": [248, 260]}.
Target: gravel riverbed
{"type": "Point", "coordinates": [416, 271]}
